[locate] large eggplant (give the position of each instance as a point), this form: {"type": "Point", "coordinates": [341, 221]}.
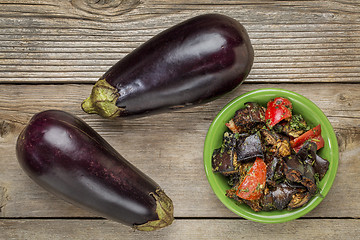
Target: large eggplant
{"type": "Point", "coordinates": [193, 62]}
{"type": "Point", "coordinates": [64, 155]}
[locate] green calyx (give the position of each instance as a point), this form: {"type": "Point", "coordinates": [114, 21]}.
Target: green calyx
{"type": "Point", "coordinates": [164, 210]}
{"type": "Point", "coordinates": [102, 100]}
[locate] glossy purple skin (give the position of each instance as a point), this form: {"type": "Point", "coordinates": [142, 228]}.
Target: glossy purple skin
{"type": "Point", "coordinates": [64, 155]}
{"type": "Point", "coordinates": [191, 63]}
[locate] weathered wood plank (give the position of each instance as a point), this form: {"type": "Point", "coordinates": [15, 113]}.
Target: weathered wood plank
{"type": "Point", "coordinates": [76, 41]}
{"type": "Point", "coordinates": [180, 229]}
{"type": "Point", "coordinates": [168, 147]}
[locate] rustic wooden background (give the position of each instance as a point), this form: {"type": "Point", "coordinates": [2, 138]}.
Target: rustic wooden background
{"type": "Point", "coordinates": [52, 52]}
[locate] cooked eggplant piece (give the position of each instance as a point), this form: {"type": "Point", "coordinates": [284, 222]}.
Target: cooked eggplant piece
{"type": "Point", "coordinates": [293, 169]}
{"type": "Point", "coordinates": [269, 137]}
{"type": "Point", "coordinates": [308, 179]}
{"type": "Point", "coordinates": [321, 166]}
{"type": "Point", "coordinates": [285, 196]}
{"type": "Point", "coordinates": [61, 153]}
{"type": "Point", "coordinates": [299, 199]}
{"type": "Point", "coordinates": [248, 119]}
{"type": "Point", "coordinates": [293, 128]}
{"type": "Point", "coordinates": [274, 171]}
{"type": "Point", "coordinates": [279, 146]}
{"type": "Point", "coordinates": [307, 153]}
{"type": "Point", "coordinates": [297, 171]}
{"type": "Point", "coordinates": [267, 201]}
{"type": "Point", "coordinates": [191, 63]}
{"type": "Point", "coordinates": [283, 148]}
{"type": "Point", "coordinates": [253, 204]}
{"type": "Point", "coordinates": [231, 140]}
{"type": "Point", "coordinates": [297, 186]}
{"type": "Point", "coordinates": [278, 197]}
{"type": "Point", "coordinates": [271, 169]}
{"type": "Point", "coordinates": [282, 195]}
{"type": "Point", "coordinates": [224, 159]}
{"type": "Point", "coordinates": [250, 148]}
{"type": "Point", "coordinates": [287, 130]}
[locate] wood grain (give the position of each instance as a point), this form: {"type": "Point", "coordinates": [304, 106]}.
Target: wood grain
{"type": "Point", "coordinates": [168, 144]}
{"type": "Point", "coordinates": [180, 229]}
{"type": "Point", "coordinates": [51, 53]}
{"type": "Point", "coordinates": [77, 41]}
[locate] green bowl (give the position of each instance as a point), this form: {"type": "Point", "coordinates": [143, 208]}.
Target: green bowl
{"type": "Point", "coordinates": [301, 105]}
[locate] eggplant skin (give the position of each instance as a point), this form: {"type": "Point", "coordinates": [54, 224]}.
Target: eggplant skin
{"type": "Point", "coordinates": [191, 63]}
{"type": "Point", "coordinates": [68, 158]}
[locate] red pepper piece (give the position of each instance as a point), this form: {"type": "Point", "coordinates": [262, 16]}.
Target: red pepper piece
{"type": "Point", "coordinates": [317, 139]}
{"type": "Point", "coordinates": [313, 135]}
{"type": "Point", "coordinates": [251, 187]}
{"type": "Point", "coordinates": [278, 110]}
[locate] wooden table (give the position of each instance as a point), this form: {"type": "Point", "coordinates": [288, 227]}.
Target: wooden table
{"type": "Point", "coordinates": [52, 52]}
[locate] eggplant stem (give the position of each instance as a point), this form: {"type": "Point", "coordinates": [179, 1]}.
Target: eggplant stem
{"type": "Point", "coordinates": [164, 210]}
{"type": "Point", "coordinates": [102, 100]}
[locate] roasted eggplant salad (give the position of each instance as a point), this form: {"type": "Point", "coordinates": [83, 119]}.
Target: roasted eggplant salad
{"type": "Point", "coordinates": [269, 156]}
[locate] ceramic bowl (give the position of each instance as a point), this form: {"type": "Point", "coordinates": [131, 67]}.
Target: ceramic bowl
{"type": "Point", "coordinates": [301, 105]}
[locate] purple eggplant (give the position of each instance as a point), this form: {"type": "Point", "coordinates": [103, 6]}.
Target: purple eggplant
{"type": "Point", "coordinates": [278, 197]}
{"type": "Point", "coordinates": [250, 148]}
{"type": "Point", "coordinates": [191, 63]}
{"type": "Point", "coordinates": [321, 166]}
{"type": "Point", "coordinates": [248, 119]}
{"type": "Point", "coordinates": [65, 156]}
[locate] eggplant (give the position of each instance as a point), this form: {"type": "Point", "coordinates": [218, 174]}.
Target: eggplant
{"type": "Point", "coordinates": [64, 155]}
{"type": "Point", "coordinates": [251, 116]}
{"type": "Point", "coordinates": [250, 148]}
{"type": "Point", "coordinates": [293, 168]}
{"type": "Point", "coordinates": [274, 171]}
{"type": "Point", "coordinates": [321, 166]}
{"type": "Point", "coordinates": [188, 64]}
{"type": "Point", "coordinates": [278, 198]}
{"type": "Point", "coordinates": [249, 119]}
{"type": "Point", "coordinates": [308, 154]}
{"type": "Point", "coordinates": [278, 144]}
{"type": "Point", "coordinates": [270, 137]}
{"type": "Point", "coordinates": [224, 159]}
{"type": "Point", "coordinates": [298, 171]}
{"type": "Point", "coordinates": [299, 199]}
{"type": "Point", "coordinates": [308, 179]}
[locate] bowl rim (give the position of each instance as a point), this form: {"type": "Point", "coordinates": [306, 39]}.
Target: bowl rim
{"type": "Point", "coordinates": [330, 142]}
